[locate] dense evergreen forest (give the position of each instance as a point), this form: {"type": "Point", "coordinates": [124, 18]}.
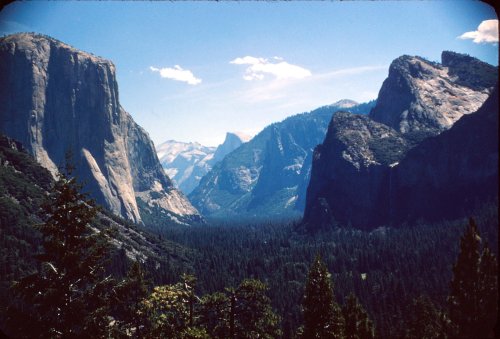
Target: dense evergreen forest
{"type": "Point", "coordinates": [386, 268]}
{"type": "Point", "coordinates": [248, 281]}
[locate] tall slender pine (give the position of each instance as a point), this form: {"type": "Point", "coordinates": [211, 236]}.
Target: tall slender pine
{"type": "Point", "coordinates": [322, 315]}
{"type": "Point", "coordinates": [473, 296]}
{"type": "Point", "coordinates": [357, 323]}
{"type": "Point", "coordinates": [69, 294]}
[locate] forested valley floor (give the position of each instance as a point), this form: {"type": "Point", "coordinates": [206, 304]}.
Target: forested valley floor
{"type": "Point", "coordinates": [241, 279]}
{"type": "Point", "coordinates": [386, 268]}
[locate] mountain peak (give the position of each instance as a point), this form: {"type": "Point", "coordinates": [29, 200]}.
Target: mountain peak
{"type": "Point", "coordinates": [41, 43]}
{"type": "Point", "coordinates": [449, 58]}
{"type": "Point", "coordinates": [240, 135]}
{"type": "Point", "coordinates": [233, 141]}
{"type": "Point", "coordinates": [187, 162]}
{"type": "Point", "coordinates": [423, 96]}
{"type": "Point", "coordinates": [344, 103]}
{"type": "Point", "coordinates": [469, 71]}
{"type": "Point", "coordinates": [267, 177]}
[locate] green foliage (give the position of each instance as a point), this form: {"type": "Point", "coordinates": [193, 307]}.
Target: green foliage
{"type": "Point", "coordinates": [244, 312]}
{"type": "Point", "coordinates": [252, 312]}
{"type": "Point", "coordinates": [174, 311]}
{"type": "Point", "coordinates": [386, 268]}
{"type": "Point", "coordinates": [68, 296]}
{"type": "Point", "coordinates": [215, 314]}
{"type": "Point", "coordinates": [473, 287]}
{"type": "Point", "coordinates": [426, 321]}
{"type": "Point", "coordinates": [357, 322]}
{"type": "Point", "coordinates": [127, 303]}
{"type": "Point", "coordinates": [170, 309]}
{"type": "Point", "coordinates": [22, 190]}
{"type": "Point", "coordinates": [322, 315]}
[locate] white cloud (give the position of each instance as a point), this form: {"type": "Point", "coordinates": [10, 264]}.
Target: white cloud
{"type": "Point", "coordinates": [291, 90]}
{"type": "Point", "coordinates": [280, 69]}
{"type": "Point", "coordinates": [487, 31]}
{"type": "Point", "coordinates": [177, 73]}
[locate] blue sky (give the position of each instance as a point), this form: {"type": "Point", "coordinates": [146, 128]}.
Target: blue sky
{"type": "Point", "coordinates": [190, 71]}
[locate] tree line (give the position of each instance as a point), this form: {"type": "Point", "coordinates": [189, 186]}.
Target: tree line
{"type": "Point", "coordinates": [72, 295]}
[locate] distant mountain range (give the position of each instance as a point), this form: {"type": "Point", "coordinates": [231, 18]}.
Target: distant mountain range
{"type": "Point", "coordinates": [422, 153]}
{"type": "Point", "coordinates": [186, 163]}
{"type": "Point", "coordinates": [55, 99]}
{"type": "Point", "coordinates": [267, 177]}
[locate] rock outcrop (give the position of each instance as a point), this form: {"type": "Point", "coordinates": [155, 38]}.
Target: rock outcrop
{"type": "Point", "coordinates": [393, 167]}
{"type": "Point", "coordinates": [449, 175]}
{"type": "Point", "coordinates": [423, 96]}
{"type": "Point", "coordinates": [231, 142]}
{"type": "Point", "coordinates": [267, 176]}
{"type": "Point", "coordinates": [55, 99]}
{"type": "Point", "coordinates": [349, 171]}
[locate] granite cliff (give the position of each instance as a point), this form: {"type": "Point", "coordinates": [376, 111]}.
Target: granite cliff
{"type": "Point", "coordinates": [420, 154]}
{"type": "Point", "coordinates": [451, 174]}
{"type": "Point", "coordinates": [349, 170]}
{"type": "Point", "coordinates": [427, 97]}
{"type": "Point", "coordinates": [55, 99]}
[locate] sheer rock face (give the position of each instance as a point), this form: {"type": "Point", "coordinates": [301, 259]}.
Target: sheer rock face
{"type": "Point", "coordinates": [366, 174]}
{"type": "Point", "coordinates": [409, 160]}
{"type": "Point", "coordinates": [231, 142]}
{"type": "Point", "coordinates": [55, 99]}
{"type": "Point", "coordinates": [349, 171]}
{"type": "Point", "coordinates": [447, 176]}
{"type": "Point", "coordinates": [423, 96]}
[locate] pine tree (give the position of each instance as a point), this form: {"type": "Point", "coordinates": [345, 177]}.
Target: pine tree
{"type": "Point", "coordinates": [253, 314]}
{"type": "Point", "coordinates": [357, 323]}
{"type": "Point", "coordinates": [215, 314]}
{"type": "Point", "coordinates": [322, 315]}
{"type": "Point", "coordinates": [488, 294]}
{"type": "Point", "coordinates": [473, 287]}
{"type": "Point", "coordinates": [128, 301]}
{"type": "Point", "coordinates": [242, 312]}
{"type": "Point", "coordinates": [69, 295]}
{"type": "Point", "coordinates": [463, 300]}
{"type": "Point", "coordinates": [426, 321]}
{"type": "Point", "coordinates": [171, 311]}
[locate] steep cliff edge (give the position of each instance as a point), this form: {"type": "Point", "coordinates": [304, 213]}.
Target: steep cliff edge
{"type": "Point", "coordinates": [420, 154]}
{"type": "Point", "coordinates": [423, 96]}
{"type": "Point", "coordinates": [366, 174]}
{"type": "Point", "coordinates": [55, 99]}
{"type": "Point", "coordinates": [449, 175]}
{"type": "Point", "coordinates": [349, 171]}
